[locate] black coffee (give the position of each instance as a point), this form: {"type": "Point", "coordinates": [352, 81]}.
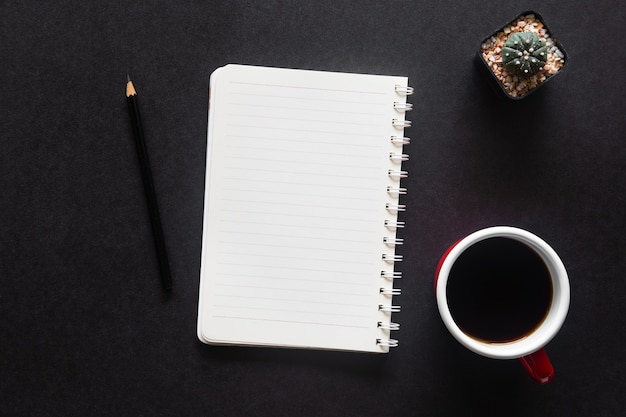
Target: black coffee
{"type": "Point", "coordinates": [499, 290]}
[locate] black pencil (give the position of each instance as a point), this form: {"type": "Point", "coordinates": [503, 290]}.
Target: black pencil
{"type": "Point", "coordinates": [146, 173]}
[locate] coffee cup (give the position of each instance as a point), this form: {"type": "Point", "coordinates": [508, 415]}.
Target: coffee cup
{"type": "Point", "coordinates": [504, 293]}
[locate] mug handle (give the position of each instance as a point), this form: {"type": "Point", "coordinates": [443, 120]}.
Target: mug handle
{"type": "Point", "coordinates": [538, 366]}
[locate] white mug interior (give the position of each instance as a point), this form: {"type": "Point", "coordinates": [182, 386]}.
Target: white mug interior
{"type": "Point", "coordinates": [556, 314]}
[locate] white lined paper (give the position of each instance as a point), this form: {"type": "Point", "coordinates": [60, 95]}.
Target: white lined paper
{"type": "Point", "coordinates": [295, 198]}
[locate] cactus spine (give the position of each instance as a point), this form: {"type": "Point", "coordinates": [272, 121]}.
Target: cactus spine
{"type": "Point", "coordinates": [524, 53]}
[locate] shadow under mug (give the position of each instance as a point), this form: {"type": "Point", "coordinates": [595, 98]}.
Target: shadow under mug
{"type": "Point", "coordinates": [529, 348]}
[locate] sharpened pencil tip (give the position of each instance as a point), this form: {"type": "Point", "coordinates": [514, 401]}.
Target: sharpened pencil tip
{"type": "Point", "coordinates": [127, 78]}
{"type": "Point", "coordinates": [130, 88]}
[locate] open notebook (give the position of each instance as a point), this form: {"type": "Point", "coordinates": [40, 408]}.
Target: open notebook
{"type": "Point", "coordinates": [301, 208]}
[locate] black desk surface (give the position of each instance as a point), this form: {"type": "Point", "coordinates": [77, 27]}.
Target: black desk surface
{"type": "Point", "coordinates": [85, 329]}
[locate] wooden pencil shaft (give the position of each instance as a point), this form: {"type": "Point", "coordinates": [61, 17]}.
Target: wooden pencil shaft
{"type": "Point", "coordinates": [148, 182]}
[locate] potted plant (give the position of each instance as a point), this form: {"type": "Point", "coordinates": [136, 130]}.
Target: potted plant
{"type": "Point", "coordinates": [521, 56]}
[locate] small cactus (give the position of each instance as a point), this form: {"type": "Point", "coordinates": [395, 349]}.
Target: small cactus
{"type": "Point", "coordinates": [524, 53]}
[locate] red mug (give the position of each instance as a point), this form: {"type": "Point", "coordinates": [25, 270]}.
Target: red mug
{"type": "Point", "coordinates": [496, 324]}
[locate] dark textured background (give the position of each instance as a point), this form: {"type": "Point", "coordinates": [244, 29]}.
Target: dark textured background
{"type": "Point", "coordinates": [85, 329]}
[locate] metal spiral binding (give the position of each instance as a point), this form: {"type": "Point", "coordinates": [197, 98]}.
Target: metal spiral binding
{"type": "Point", "coordinates": [389, 241]}
{"type": "Point", "coordinates": [391, 225]}
{"type": "Point", "coordinates": [396, 191]}
{"type": "Point", "coordinates": [389, 326]}
{"type": "Point", "coordinates": [396, 174]}
{"type": "Point", "coordinates": [387, 342]}
{"type": "Point", "coordinates": [392, 258]}
{"type": "Point", "coordinates": [388, 275]}
{"type": "Point", "coordinates": [390, 291]}
{"type": "Point", "coordinates": [405, 91]}
{"type": "Point", "coordinates": [398, 157]}
{"type": "Point", "coordinates": [388, 308]}
{"type": "Point", "coordinates": [402, 106]}
{"type": "Point", "coordinates": [391, 275]}
{"type": "Point", "coordinates": [401, 124]}
{"type": "Point", "coordinates": [394, 208]}
{"type": "Point", "coordinates": [400, 140]}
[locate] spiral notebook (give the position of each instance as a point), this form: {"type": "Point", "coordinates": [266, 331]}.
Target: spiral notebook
{"type": "Point", "coordinates": [303, 182]}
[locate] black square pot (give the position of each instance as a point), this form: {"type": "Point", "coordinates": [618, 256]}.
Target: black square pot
{"type": "Point", "coordinates": [512, 86]}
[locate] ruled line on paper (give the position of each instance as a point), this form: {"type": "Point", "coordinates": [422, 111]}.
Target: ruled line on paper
{"type": "Point", "coordinates": [307, 120]}
{"type": "Point", "coordinates": [294, 300]}
{"type": "Point", "coordinates": [296, 194]}
{"type": "Point", "coordinates": [314, 314]}
{"type": "Point", "coordinates": [291, 235]}
{"type": "Point", "coordinates": [299, 280]}
{"type": "Point", "coordinates": [289, 321]}
{"type": "Point", "coordinates": [291, 268]}
{"type": "Point", "coordinates": [301, 128]}
{"type": "Point", "coordinates": [269, 245]}
{"type": "Point", "coordinates": [319, 222]}
{"type": "Point", "coordinates": [325, 224]}
{"type": "Point", "coordinates": [299, 290]}
{"type": "Point", "coordinates": [304, 216]}
{"type": "Point", "coordinates": [325, 312]}
{"type": "Point", "coordinates": [295, 88]}
{"type": "Point", "coordinates": [300, 183]}
{"type": "Point", "coordinates": [289, 310]}
{"type": "Point", "coordinates": [312, 206]}
{"type": "Point", "coordinates": [297, 274]}
{"type": "Point", "coordinates": [294, 246]}
{"type": "Point", "coordinates": [316, 163]}
{"type": "Point", "coordinates": [287, 257]}
{"type": "Point", "coordinates": [303, 152]}
{"type": "Point", "coordinates": [294, 277]}
{"type": "Point", "coordinates": [327, 212]}
{"type": "Point", "coordinates": [273, 128]}
{"type": "Point", "coordinates": [304, 98]}
{"type": "Point", "coordinates": [316, 174]}
{"type": "Point", "coordinates": [293, 249]}
{"type": "Point", "coordinates": [316, 141]}
{"type": "Point", "coordinates": [304, 109]}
